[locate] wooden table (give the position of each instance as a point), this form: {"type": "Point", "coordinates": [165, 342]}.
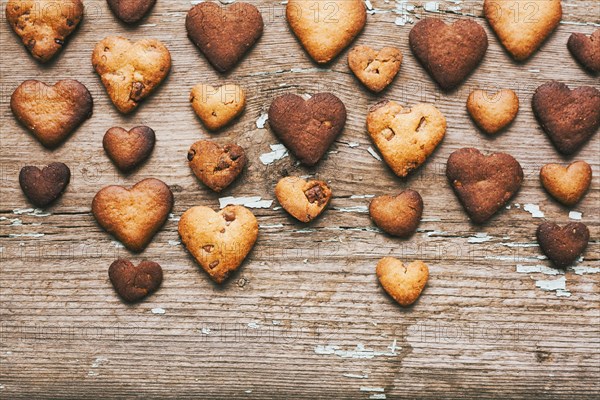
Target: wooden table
{"type": "Point", "coordinates": [305, 316]}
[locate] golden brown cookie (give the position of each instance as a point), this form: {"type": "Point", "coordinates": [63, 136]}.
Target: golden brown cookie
{"type": "Point", "coordinates": [216, 166]}
{"type": "Point", "coordinates": [403, 282]}
{"type": "Point", "coordinates": [131, 11]}
{"type": "Point", "coordinates": [492, 113]}
{"type": "Point", "coordinates": [399, 215]}
{"type": "Point", "coordinates": [304, 200]}
{"type": "Point", "coordinates": [128, 149]}
{"type": "Point", "coordinates": [217, 107]}
{"type": "Point", "coordinates": [375, 69]}
{"type": "Point", "coordinates": [130, 71]}
{"type": "Point", "coordinates": [567, 185]}
{"type": "Point", "coordinates": [219, 241]}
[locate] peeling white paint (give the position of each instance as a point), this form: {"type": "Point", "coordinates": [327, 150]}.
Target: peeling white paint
{"type": "Point", "coordinates": [117, 245]}
{"type": "Point", "coordinates": [31, 212]}
{"type": "Point", "coordinates": [205, 331]}
{"type": "Point", "coordinates": [172, 217]}
{"type": "Point", "coordinates": [542, 269]}
{"type": "Point", "coordinates": [359, 352]}
{"type": "Point", "coordinates": [262, 120]}
{"type": "Point", "coordinates": [436, 233]}
{"type": "Point", "coordinates": [558, 285]}
{"type": "Point", "coordinates": [250, 202]}
{"type": "Point", "coordinates": [353, 144]}
{"type": "Point", "coordinates": [274, 226]}
{"type": "Point", "coordinates": [356, 376]}
{"type": "Point", "coordinates": [31, 235]}
{"type": "Point", "coordinates": [432, 6]}
{"type": "Point", "coordinates": [362, 196]}
{"type": "Point", "coordinates": [582, 270]}
{"type": "Point", "coordinates": [520, 244]}
{"type": "Point", "coordinates": [372, 389]}
{"type": "Point", "coordinates": [174, 243]}
{"type": "Point", "coordinates": [368, 5]}
{"type": "Point", "coordinates": [374, 153]}
{"type": "Point", "coordinates": [575, 215]}
{"type": "Point", "coordinates": [278, 152]}
{"type": "Point", "coordinates": [431, 220]}
{"type": "Point", "coordinates": [253, 325]}
{"type": "Point", "coordinates": [378, 396]}
{"type": "Point", "coordinates": [480, 237]}
{"type": "Point", "coordinates": [534, 210]}
{"type": "Point", "coordinates": [276, 322]}
{"type": "Point", "coordinates": [158, 310]}
{"type": "Point", "coordinates": [356, 209]}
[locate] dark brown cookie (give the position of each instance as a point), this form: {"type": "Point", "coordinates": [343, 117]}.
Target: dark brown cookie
{"type": "Point", "coordinates": [483, 184]}
{"type": "Point", "coordinates": [399, 215]}
{"type": "Point", "coordinates": [224, 34]}
{"type": "Point", "coordinates": [448, 52]}
{"type": "Point", "coordinates": [569, 117]}
{"type": "Point", "coordinates": [563, 245]}
{"type": "Point", "coordinates": [307, 127]}
{"type": "Point", "coordinates": [42, 187]}
{"type": "Point", "coordinates": [129, 149]}
{"type": "Point", "coordinates": [134, 283]}
{"type": "Point", "coordinates": [216, 166]}
{"type": "Point", "coordinates": [586, 50]}
{"type": "Point", "coordinates": [131, 11]}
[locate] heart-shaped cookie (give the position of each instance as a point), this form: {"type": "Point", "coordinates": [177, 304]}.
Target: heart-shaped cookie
{"type": "Point", "coordinates": [51, 113]}
{"type": "Point", "coordinates": [399, 215]}
{"type": "Point", "coordinates": [219, 241]}
{"type": "Point", "coordinates": [403, 282]}
{"type": "Point", "coordinates": [216, 166]}
{"type": "Point", "coordinates": [326, 27]}
{"type": "Point", "coordinates": [217, 107]}
{"type": "Point", "coordinates": [130, 11]}
{"type": "Point", "coordinates": [133, 215]}
{"type": "Point", "coordinates": [42, 187]}
{"type": "Point", "coordinates": [569, 117]}
{"type": "Point", "coordinates": [307, 127]}
{"type": "Point", "coordinates": [224, 34]}
{"type": "Point", "coordinates": [44, 25]}
{"type": "Point", "coordinates": [449, 53]}
{"type": "Point", "coordinates": [586, 50]}
{"type": "Point", "coordinates": [375, 69]}
{"type": "Point", "coordinates": [304, 200]}
{"type": "Point", "coordinates": [130, 71]}
{"type": "Point", "coordinates": [522, 25]}
{"type": "Point", "coordinates": [134, 283]}
{"type": "Point", "coordinates": [405, 137]}
{"type": "Point", "coordinates": [492, 113]}
{"type": "Point", "coordinates": [563, 245]}
{"type": "Point", "coordinates": [483, 184]}
{"type": "Point", "coordinates": [128, 149]}
{"type": "Point", "coordinates": [567, 185]}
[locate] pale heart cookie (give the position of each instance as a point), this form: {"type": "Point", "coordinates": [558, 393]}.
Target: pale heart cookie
{"type": "Point", "coordinates": [405, 137]}
{"type": "Point", "coordinates": [567, 185]}
{"type": "Point", "coordinates": [326, 27]}
{"type": "Point", "coordinates": [133, 215]}
{"type": "Point", "coordinates": [403, 282]}
{"type": "Point", "coordinates": [492, 113]}
{"type": "Point", "coordinates": [304, 200]}
{"type": "Point", "coordinates": [375, 69]}
{"type": "Point", "coordinates": [130, 71]}
{"type": "Point", "coordinates": [217, 107]}
{"type": "Point", "coordinates": [522, 25]}
{"type": "Point", "coordinates": [219, 241]}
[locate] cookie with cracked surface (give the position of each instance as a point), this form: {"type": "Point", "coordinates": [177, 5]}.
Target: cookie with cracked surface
{"type": "Point", "coordinates": [375, 69]}
{"type": "Point", "coordinates": [216, 166]}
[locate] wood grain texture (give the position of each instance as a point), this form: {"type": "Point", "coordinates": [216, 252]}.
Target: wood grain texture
{"type": "Point", "coordinates": [305, 317]}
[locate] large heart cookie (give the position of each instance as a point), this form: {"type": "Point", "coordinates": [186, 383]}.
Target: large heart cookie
{"type": "Point", "coordinates": [586, 50]}
{"type": "Point", "coordinates": [131, 11]}
{"type": "Point", "coordinates": [403, 282]}
{"type": "Point", "coordinates": [563, 245]}
{"type": "Point", "coordinates": [130, 71]}
{"type": "Point", "coordinates": [134, 283]}
{"type": "Point", "coordinates": [522, 25]}
{"type": "Point", "coordinates": [51, 113]}
{"type": "Point", "coordinates": [224, 35]}
{"type": "Point", "coordinates": [304, 200]}
{"type": "Point", "coordinates": [326, 27]}
{"type": "Point", "coordinates": [307, 127]}
{"type": "Point", "coordinates": [492, 113]}
{"type": "Point", "coordinates": [448, 52]}
{"type": "Point", "coordinates": [219, 241]}
{"type": "Point", "coordinates": [42, 187]}
{"type": "Point", "coordinates": [44, 25]}
{"type": "Point", "coordinates": [399, 215]}
{"type": "Point", "coordinates": [375, 69]}
{"type": "Point", "coordinates": [216, 166]}
{"type": "Point", "coordinates": [133, 215]}
{"type": "Point", "coordinates": [567, 184]}
{"type": "Point", "coordinates": [405, 137]}
{"type": "Point", "coordinates": [483, 184]}
{"type": "Point", "coordinates": [569, 117]}
{"type": "Point", "coordinates": [217, 107]}
{"type": "Point", "coordinates": [128, 149]}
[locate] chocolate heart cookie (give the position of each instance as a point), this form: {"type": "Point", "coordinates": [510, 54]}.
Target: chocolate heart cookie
{"type": "Point", "coordinates": [563, 245]}
{"type": "Point", "coordinates": [307, 127]}
{"type": "Point", "coordinates": [492, 113]}
{"type": "Point", "coordinates": [131, 11]}
{"type": "Point", "coordinates": [569, 117]}
{"type": "Point", "coordinates": [483, 184]}
{"type": "Point", "coordinates": [586, 50]}
{"type": "Point", "coordinates": [375, 69]}
{"type": "Point", "coordinates": [399, 215]}
{"type": "Point", "coordinates": [567, 185]}
{"type": "Point", "coordinates": [128, 149]}
{"type": "Point", "coordinates": [216, 166]}
{"type": "Point", "coordinates": [42, 187]}
{"type": "Point", "coordinates": [217, 107]}
{"type": "Point", "coordinates": [404, 283]}
{"type": "Point", "coordinates": [304, 200]}
{"type": "Point", "coordinates": [134, 283]}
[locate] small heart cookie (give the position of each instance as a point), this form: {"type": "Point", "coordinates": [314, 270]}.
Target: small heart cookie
{"type": "Point", "coordinates": [586, 50]}
{"type": "Point", "coordinates": [493, 113]}
{"type": "Point", "coordinates": [130, 71]}
{"type": "Point", "coordinates": [224, 34]}
{"type": "Point", "coordinates": [134, 283]}
{"type": "Point", "coordinates": [216, 166]}
{"type": "Point", "coordinates": [133, 215]}
{"type": "Point", "coordinates": [304, 200]}
{"type": "Point", "coordinates": [219, 241]}
{"type": "Point", "coordinates": [399, 215]}
{"type": "Point", "coordinates": [130, 11]}
{"type": "Point", "coordinates": [483, 184]}
{"type": "Point", "coordinates": [404, 283]}
{"type": "Point", "coordinates": [217, 107]}
{"type": "Point", "coordinates": [44, 25]}
{"type": "Point", "coordinates": [569, 117]}
{"type": "Point", "coordinates": [567, 185]}
{"type": "Point", "coordinates": [563, 245]}
{"type": "Point", "coordinates": [375, 69]}
{"type": "Point", "coordinates": [307, 127]}
{"type": "Point", "coordinates": [51, 113]}
{"type": "Point", "coordinates": [522, 25]}
{"type": "Point", "coordinates": [405, 137]}
{"type": "Point", "coordinates": [128, 149]}
{"type": "Point", "coordinates": [43, 187]}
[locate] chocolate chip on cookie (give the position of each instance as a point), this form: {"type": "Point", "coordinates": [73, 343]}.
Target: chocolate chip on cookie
{"type": "Point", "coordinates": [493, 113]}
{"type": "Point", "coordinates": [134, 283]}
{"type": "Point", "coordinates": [563, 245]}
{"type": "Point", "coordinates": [375, 69]}
{"type": "Point", "coordinates": [128, 149]}
{"type": "Point", "coordinates": [131, 11]}
{"type": "Point", "coordinates": [567, 185]}
{"type": "Point", "coordinates": [403, 282]}
{"type": "Point", "coordinates": [216, 166]}
{"type": "Point", "coordinates": [217, 107]}
{"type": "Point", "coordinates": [399, 215]}
{"type": "Point", "coordinates": [304, 200]}
{"type": "Point", "coordinates": [42, 187]}
{"type": "Point", "coordinates": [586, 50]}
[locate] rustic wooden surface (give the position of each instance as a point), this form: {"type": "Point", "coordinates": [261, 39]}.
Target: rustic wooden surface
{"type": "Point", "coordinates": [305, 316]}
